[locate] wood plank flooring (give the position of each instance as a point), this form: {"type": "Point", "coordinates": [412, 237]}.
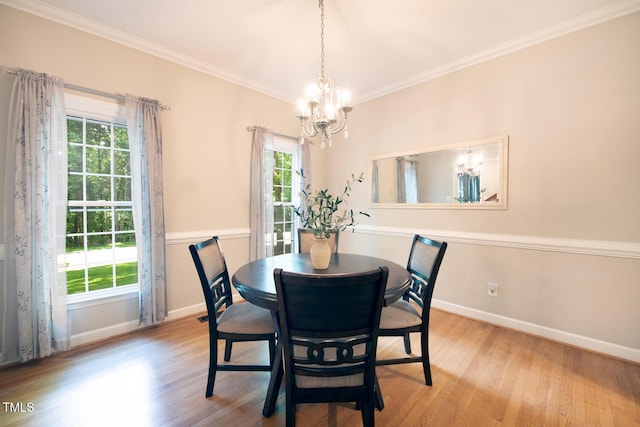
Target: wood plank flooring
{"type": "Point", "coordinates": [483, 375]}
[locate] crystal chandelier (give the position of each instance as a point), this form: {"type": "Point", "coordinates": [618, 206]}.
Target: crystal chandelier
{"type": "Point", "coordinates": [325, 110]}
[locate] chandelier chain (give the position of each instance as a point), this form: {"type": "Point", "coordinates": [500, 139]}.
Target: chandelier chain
{"type": "Point", "coordinates": [322, 39]}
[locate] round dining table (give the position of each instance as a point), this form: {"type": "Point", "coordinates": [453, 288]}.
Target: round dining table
{"type": "Point", "coordinates": [255, 283]}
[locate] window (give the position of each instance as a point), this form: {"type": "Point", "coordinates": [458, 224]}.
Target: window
{"type": "Point", "coordinates": [285, 164]}
{"type": "Point", "coordinates": [101, 250]}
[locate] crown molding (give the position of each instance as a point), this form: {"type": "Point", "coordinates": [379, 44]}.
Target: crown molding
{"type": "Point", "coordinates": [78, 22]}
{"type": "Point", "coordinates": [34, 7]}
{"type": "Point", "coordinates": [617, 10]}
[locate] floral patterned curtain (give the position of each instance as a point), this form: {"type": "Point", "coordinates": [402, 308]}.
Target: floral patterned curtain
{"type": "Point", "coordinates": [34, 312]}
{"type": "Point", "coordinates": [145, 139]}
{"type": "Point", "coordinates": [261, 197]}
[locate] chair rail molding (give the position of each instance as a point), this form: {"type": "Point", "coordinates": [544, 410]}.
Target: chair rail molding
{"type": "Point", "coordinates": [550, 244]}
{"type": "Point", "coordinates": [182, 237]}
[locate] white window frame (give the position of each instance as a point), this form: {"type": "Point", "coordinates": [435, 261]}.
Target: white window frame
{"type": "Point", "coordinates": [108, 111]}
{"type": "Point", "coordinates": [290, 147]}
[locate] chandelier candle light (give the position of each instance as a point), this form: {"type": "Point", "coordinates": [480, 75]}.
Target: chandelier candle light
{"type": "Point", "coordinates": [325, 110]}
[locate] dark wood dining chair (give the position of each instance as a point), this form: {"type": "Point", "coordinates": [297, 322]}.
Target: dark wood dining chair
{"type": "Point", "coordinates": [329, 327]}
{"type": "Point", "coordinates": [228, 321]}
{"type": "Point", "coordinates": [411, 313]}
{"type": "Point", "coordinates": [305, 240]}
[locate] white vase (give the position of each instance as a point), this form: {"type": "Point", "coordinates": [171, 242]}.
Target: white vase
{"type": "Point", "coordinates": [320, 253]}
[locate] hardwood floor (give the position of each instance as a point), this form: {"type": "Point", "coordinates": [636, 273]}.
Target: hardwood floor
{"type": "Point", "coordinates": [482, 376]}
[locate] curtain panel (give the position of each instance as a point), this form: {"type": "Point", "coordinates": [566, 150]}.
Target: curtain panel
{"type": "Point", "coordinates": [304, 153]}
{"type": "Point", "coordinates": [34, 312]}
{"type": "Point", "coordinates": [261, 190]}
{"type": "Point", "coordinates": [261, 194]}
{"type": "Point", "coordinates": [374, 182]}
{"type": "Point", "coordinates": [145, 140]}
{"type": "Point", "coordinates": [402, 180]}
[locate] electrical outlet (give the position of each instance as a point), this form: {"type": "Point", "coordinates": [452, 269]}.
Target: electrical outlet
{"type": "Point", "coordinates": [492, 289]}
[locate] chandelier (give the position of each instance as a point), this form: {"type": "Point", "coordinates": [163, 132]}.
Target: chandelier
{"type": "Point", "coordinates": [325, 110]}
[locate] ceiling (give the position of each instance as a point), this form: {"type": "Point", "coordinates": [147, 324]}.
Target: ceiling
{"type": "Point", "coordinates": [373, 47]}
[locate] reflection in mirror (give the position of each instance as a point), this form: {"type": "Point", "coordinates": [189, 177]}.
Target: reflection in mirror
{"type": "Point", "coordinates": [471, 174]}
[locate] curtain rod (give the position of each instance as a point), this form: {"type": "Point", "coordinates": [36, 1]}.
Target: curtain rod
{"type": "Point", "coordinates": [279, 135]}
{"type": "Point", "coordinates": [116, 96]}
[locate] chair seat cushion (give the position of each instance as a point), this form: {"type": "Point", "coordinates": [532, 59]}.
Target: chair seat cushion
{"type": "Point", "coordinates": [400, 314]}
{"type": "Point", "coordinates": [245, 318]}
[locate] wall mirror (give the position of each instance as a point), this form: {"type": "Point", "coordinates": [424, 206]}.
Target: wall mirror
{"type": "Point", "coordinates": [467, 175]}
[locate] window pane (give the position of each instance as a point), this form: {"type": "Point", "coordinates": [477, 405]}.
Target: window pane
{"type": "Point", "coordinates": [101, 242]}
{"type": "Point", "coordinates": [98, 134]}
{"type": "Point", "coordinates": [126, 257]}
{"type": "Point", "coordinates": [123, 189]}
{"type": "Point", "coordinates": [286, 178]}
{"type": "Point", "coordinates": [75, 281]}
{"type": "Point", "coordinates": [122, 163]}
{"type": "Point", "coordinates": [98, 160]}
{"type": "Point", "coordinates": [126, 273]}
{"type": "Point", "coordinates": [74, 183]}
{"type": "Point", "coordinates": [287, 161]}
{"type": "Point", "coordinates": [278, 215]}
{"type": "Point", "coordinates": [99, 220]}
{"type": "Point", "coordinates": [288, 213]}
{"type": "Point", "coordinates": [277, 193]}
{"type": "Point", "coordinates": [101, 277]}
{"type": "Point", "coordinates": [286, 194]}
{"type": "Point", "coordinates": [75, 243]}
{"type": "Point", "coordinates": [74, 221]}
{"type": "Point", "coordinates": [121, 137]}
{"type": "Point", "coordinates": [74, 159]}
{"type": "Point", "coordinates": [124, 220]}
{"type": "Point", "coordinates": [277, 159]}
{"type": "Point", "coordinates": [126, 240]}
{"type": "Point", "coordinates": [98, 188]}
{"type": "Point", "coordinates": [277, 177]}
{"type": "Point", "coordinates": [74, 130]}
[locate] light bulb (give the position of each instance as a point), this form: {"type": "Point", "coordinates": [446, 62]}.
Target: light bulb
{"type": "Point", "coordinates": [345, 97]}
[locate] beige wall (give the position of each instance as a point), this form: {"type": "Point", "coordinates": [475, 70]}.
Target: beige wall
{"type": "Point", "coordinates": [206, 145]}
{"type": "Point", "coordinates": [569, 105]}
{"type": "Point", "coordinates": [571, 109]}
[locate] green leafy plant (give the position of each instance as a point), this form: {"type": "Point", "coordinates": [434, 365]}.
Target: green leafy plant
{"type": "Point", "coordinates": [324, 212]}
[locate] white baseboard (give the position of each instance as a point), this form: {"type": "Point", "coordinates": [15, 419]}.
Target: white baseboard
{"type": "Point", "coordinates": [626, 353]}
{"type": "Point", "coordinates": [126, 327]}
{"type": "Point", "coordinates": [598, 346]}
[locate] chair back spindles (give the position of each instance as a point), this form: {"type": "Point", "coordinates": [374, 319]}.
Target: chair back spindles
{"type": "Point", "coordinates": [402, 317]}
{"type": "Point", "coordinates": [227, 321]}
{"type": "Point", "coordinates": [329, 328]}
